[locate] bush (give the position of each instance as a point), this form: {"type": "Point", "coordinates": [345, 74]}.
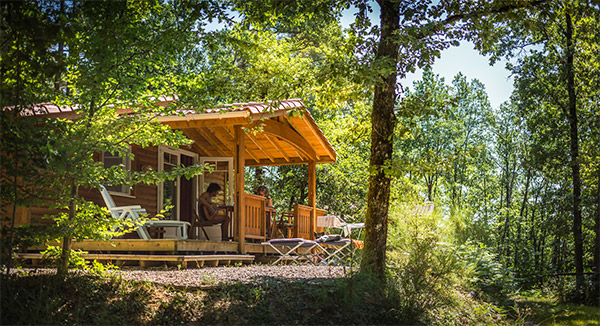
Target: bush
{"type": "Point", "coordinates": [427, 279]}
{"type": "Point", "coordinates": [485, 273]}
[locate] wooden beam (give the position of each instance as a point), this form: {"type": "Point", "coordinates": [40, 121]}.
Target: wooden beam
{"type": "Point", "coordinates": [257, 143]}
{"type": "Point", "coordinates": [224, 128]}
{"type": "Point", "coordinates": [214, 142]}
{"type": "Point", "coordinates": [281, 151]}
{"type": "Point", "coordinates": [299, 153]}
{"type": "Point", "coordinates": [181, 124]}
{"type": "Point", "coordinates": [191, 134]}
{"type": "Point", "coordinates": [198, 149]}
{"type": "Point", "coordinates": [240, 214]}
{"type": "Point", "coordinates": [289, 135]}
{"type": "Point", "coordinates": [200, 138]}
{"type": "Point", "coordinates": [256, 159]}
{"type": "Point", "coordinates": [312, 126]}
{"type": "Point", "coordinates": [281, 161]}
{"type": "Point", "coordinates": [312, 196]}
{"type": "Point", "coordinates": [222, 140]}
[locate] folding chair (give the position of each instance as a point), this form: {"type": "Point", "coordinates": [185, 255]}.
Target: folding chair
{"type": "Point", "coordinates": [297, 249]}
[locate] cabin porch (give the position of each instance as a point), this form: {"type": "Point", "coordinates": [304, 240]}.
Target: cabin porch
{"type": "Point", "coordinates": [229, 139]}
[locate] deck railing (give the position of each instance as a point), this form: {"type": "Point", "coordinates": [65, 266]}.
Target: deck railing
{"type": "Point", "coordinates": [255, 216]}
{"type": "Point", "coordinates": [302, 221]}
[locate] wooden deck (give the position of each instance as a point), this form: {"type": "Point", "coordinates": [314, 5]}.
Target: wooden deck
{"type": "Point", "coordinates": [143, 260]}
{"type": "Point", "coordinates": [171, 246]}
{"type": "Point", "coordinates": [161, 252]}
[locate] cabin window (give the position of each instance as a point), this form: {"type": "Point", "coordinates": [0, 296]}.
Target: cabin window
{"type": "Point", "coordinates": [114, 159]}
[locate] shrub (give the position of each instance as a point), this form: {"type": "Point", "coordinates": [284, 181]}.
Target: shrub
{"type": "Point", "coordinates": [485, 273]}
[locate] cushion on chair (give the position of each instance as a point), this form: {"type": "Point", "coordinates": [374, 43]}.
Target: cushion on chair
{"type": "Point", "coordinates": [291, 241]}
{"type": "Point", "coordinates": [329, 238]}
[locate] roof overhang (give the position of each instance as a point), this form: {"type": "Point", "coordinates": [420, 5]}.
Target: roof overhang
{"type": "Point", "coordinates": [274, 136]}
{"type": "Point", "coordinates": [276, 132]}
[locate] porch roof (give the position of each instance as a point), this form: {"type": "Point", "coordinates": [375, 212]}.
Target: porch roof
{"type": "Point", "coordinates": [278, 132]}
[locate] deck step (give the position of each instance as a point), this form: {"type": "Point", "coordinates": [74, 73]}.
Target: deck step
{"type": "Point", "coordinates": [148, 260]}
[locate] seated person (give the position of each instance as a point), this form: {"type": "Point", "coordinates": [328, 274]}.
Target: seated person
{"type": "Point", "coordinates": [264, 191]}
{"type": "Point", "coordinates": [210, 212]}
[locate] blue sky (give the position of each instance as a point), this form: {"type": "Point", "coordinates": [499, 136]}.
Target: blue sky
{"type": "Point", "coordinates": [463, 58]}
{"type": "Point", "coordinates": [473, 65]}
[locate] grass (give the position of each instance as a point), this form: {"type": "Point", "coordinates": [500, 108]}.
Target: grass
{"type": "Point", "coordinates": [547, 311]}
{"type": "Point", "coordinates": [87, 299]}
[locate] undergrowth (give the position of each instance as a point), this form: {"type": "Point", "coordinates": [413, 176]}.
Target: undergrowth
{"type": "Point", "coordinates": [88, 299]}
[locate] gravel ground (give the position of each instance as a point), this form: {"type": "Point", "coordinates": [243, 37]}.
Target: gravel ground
{"type": "Point", "coordinates": [214, 275]}
{"type": "Point", "coordinates": [245, 274]}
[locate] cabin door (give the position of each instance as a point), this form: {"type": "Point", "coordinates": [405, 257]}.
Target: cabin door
{"type": "Point", "coordinates": [176, 197]}
{"type": "Point", "coordinates": [221, 174]}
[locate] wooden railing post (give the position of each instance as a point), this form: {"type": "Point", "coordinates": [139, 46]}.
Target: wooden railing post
{"type": "Point", "coordinates": [240, 214]}
{"type": "Point", "coordinates": [312, 196]}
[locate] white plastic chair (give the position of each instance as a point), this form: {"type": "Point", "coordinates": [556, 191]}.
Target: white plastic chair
{"type": "Point", "coordinates": [133, 212]}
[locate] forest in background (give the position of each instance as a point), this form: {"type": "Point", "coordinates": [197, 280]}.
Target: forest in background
{"type": "Point", "coordinates": [516, 188]}
{"type": "Point", "coordinates": [501, 178]}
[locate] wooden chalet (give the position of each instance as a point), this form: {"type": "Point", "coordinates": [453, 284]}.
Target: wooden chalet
{"type": "Point", "coordinates": [230, 138]}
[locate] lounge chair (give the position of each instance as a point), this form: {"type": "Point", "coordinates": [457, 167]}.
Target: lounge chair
{"type": "Point", "coordinates": [297, 250]}
{"type": "Point", "coordinates": [337, 250]}
{"type": "Point", "coordinates": [134, 213]}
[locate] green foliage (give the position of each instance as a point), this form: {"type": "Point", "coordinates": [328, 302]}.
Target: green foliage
{"type": "Point", "coordinates": [51, 256]}
{"type": "Point", "coordinates": [106, 57]}
{"type": "Point", "coordinates": [548, 311]}
{"type": "Point", "coordinates": [421, 264]}
{"type": "Point", "coordinates": [341, 186]}
{"type": "Point", "coordinates": [485, 273]}
{"type": "Point", "coordinates": [90, 299]}
{"type": "Point", "coordinates": [76, 300]}
{"type": "Point", "coordinates": [546, 136]}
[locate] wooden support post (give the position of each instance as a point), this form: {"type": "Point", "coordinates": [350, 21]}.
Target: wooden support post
{"type": "Point", "coordinates": [240, 208]}
{"type": "Point", "coordinates": [312, 196]}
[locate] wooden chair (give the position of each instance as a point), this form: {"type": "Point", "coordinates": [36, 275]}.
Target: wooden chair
{"type": "Point", "coordinates": [284, 225]}
{"type": "Point", "coordinates": [201, 222]}
{"type": "Point", "coordinates": [271, 220]}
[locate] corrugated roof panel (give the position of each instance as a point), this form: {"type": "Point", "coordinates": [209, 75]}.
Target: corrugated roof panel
{"type": "Point", "coordinates": [252, 107]}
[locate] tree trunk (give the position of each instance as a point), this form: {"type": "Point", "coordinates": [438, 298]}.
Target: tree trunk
{"type": "Point", "coordinates": [572, 117]}
{"type": "Point", "coordinates": [67, 242]}
{"type": "Point", "coordinates": [259, 173]}
{"type": "Point", "coordinates": [597, 239]}
{"type": "Point", "coordinates": [508, 203]}
{"type": "Point", "coordinates": [382, 131]}
{"type": "Point", "coordinates": [65, 255]}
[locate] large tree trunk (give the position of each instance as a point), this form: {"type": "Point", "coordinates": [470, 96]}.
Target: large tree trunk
{"type": "Point", "coordinates": [382, 131]}
{"type": "Point", "coordinates": [572, 117]}
{"type": "Point", "coordinates": [597, 239]}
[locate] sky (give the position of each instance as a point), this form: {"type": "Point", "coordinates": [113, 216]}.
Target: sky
{"type": "Point", "coordinates": [463, 58]}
